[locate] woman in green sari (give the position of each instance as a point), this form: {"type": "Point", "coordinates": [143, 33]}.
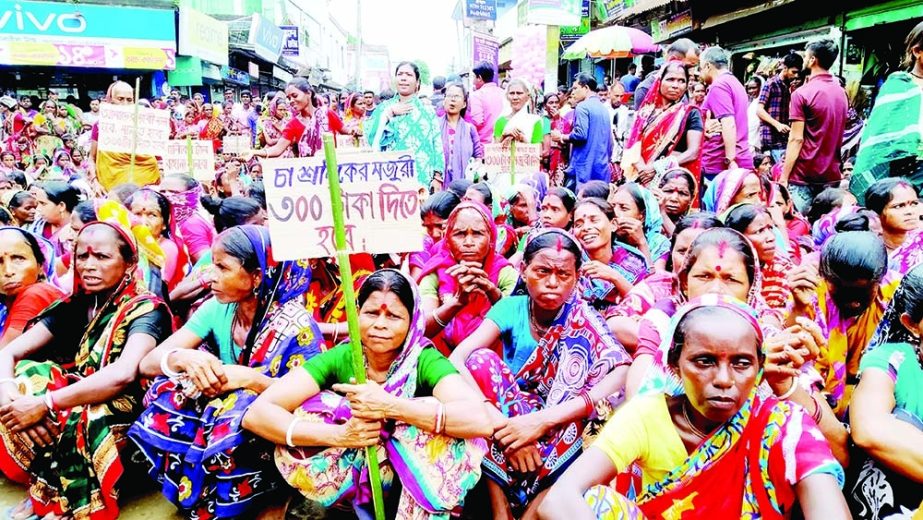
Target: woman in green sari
{"type": "Point", "coordinates": [405, 123]}
{"type": "Point", "coordinates": [64, 405]}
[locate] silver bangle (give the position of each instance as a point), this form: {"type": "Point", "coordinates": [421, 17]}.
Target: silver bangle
{"type": "Point", "coordinates": [437, 320]}
{"type": "Point", "coordinates": [791, 390]}
{"type": "Point", "coordinates": [165, 365]}
{"type": "Point", "coordinates": [291, 431]}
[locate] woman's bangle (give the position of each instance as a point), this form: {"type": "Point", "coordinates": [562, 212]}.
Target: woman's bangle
{"type": "Point", "coordinates": [49, 401]}
{"type": "Point", "coordinates": [165, 365]}
{"type": "Point", "coordinates": [440, 418]}
{"type": "Point", "coordinates": [791, 390]}
{"type": "Point", "coordinates": [437, 320]}
{"type": "Point", "coordinates": [291, 431]}
{"type": "Point", "coordinates": [587, 403]}
{"type": "Point", "coordinates": [818, 411]}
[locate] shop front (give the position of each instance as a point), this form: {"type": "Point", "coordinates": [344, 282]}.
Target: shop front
{"type": "Point", "coordinates": [78, 50]}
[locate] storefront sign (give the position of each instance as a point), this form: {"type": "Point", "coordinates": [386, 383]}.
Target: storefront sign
{"type": "Point", "coordinates": [381, 205]}
{"type": "Point", "coordinates": [481, 9]}
{"type": "Point", "coordinates": [554, 12]}
{"type": "Point", "coordinates": [202, 36]}
{"type": "Point", "coordinates": [235, 76]}
{"type": "Point", "coordinates": [281, 74]}
{"type": "Point", "coordinates": [211, 71]}
{"type": "Point", "coordinates": [571, 33]}
{"type": "Point", "coordinates": [253, 69]}
{"type": "Point", "coordinates": [290, 44]}
{"type": "Point", "coordinates": [117, 125]}
{"type": "Point", "coordinates": [65, 35]}
{"type": "Point", "coordinates": [188, 72]}
{"type": "Point", "coordinates": [616, 7]}
{"type": "Point", "coordinates": [485, 47]}
{"type": "Point", "coordinates": [676, 25]}
{"type": "Point", "coordinates": [266, 38]}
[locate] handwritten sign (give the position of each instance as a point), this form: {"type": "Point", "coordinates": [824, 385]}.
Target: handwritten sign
{"type": "Point", "coordinates": [117, 127]}
{"type": "Point", "coordinates": [176, 159]}
{"type": "Point", "coordinates": [235, 144]}
{"type": "Point", "coordinates": [381, 205]}
{"type": "Point", "coordinates": [498, 161]}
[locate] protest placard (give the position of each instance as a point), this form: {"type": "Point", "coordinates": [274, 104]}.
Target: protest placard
{"type": "Point", "coordinates": [381, 205]}
{"type": "Point", "coordinates": [117, 127]}
{"type": "Point", "coordinates": [177, 155]}
{"type": "Point", "coordinates": [235, 144]}
{"type": "Point", "coordinates": [498, 161]}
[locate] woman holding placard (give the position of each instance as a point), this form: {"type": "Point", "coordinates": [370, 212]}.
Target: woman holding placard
{"type": "Point", "coordinates": [405, 123]}
{"type": "Point", "coordinates": [302, 133]}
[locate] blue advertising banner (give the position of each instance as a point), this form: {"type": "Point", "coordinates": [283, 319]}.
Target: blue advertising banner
{"type": "Point", "coordinates": [481, 9]}
{"type": "Point", "coordinates": [69, 35]}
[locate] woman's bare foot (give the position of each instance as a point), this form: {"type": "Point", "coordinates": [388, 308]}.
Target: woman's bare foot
{"type": "Point", "coordinates": [22, 510]}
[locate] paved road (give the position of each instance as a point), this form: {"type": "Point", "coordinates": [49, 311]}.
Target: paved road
{"type": "Point", "coordinates": [148, 505]}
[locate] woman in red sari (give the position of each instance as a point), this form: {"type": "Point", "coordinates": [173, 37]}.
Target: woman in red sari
{"type": "Point", "coordinates": [667, 131]}
{"type": "Point", "coordinates": [726, 448]}
{"type": "Point", "coordinates": [558, 154]}
{"type": "Point", "coordinates": [211, 126]}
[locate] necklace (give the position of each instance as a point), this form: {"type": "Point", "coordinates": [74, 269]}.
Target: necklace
{"type": "Point", "coordinates": [533, 322]}
{"type": "Point", "coordinates": [698, 433]}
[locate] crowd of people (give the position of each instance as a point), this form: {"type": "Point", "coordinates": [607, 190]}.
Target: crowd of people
{"type": "Point", "coordinates": [684, 313]}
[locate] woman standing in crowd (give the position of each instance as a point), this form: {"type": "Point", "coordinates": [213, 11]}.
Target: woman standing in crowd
{"type": "Point", "coordinates": [354, 120]}
{"type": "Point", "coordinates": [558, 153]}
{"type": "Point", "coordinates": [63, 419]}
{"type": "Point", "coordinates": [303, 132]}
{"type": "Point", "coordinates": [273, 123]}
{"type": "Point", "coordinates": [54, 202]}
{"type": "Point", "coordinates": [405, 123]}
{"type": "Point", "coordinates": [667, 131]}
{"type": "Point", "coordinates": [690, 446]}
{"type": "Point", "coordinates": [321, 419]}
{"type": "Point", "coordinates": [557, 362]}
{"type": "Point", "coordinates": [464, 278]}
{"type": "Point", "coordinates": [520, 125]}
{"type": "Point", "coordinates": [255, 329]}
{"type": "Point", "coordinates": [460, 142]}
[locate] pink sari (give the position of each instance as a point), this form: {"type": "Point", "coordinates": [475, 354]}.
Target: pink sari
{"type": "Point", "coordinates": [470, 317]}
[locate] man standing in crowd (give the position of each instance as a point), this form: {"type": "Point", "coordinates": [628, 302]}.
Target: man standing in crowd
{"type": "Point", "coordinates": [369, 97]}
{"type": "Point", "coordinates": [684, 50]}
{"type": "Point", "coordinates": [486, 102]}
{"type": "Point", "coordinates": [774, 101]}
{"type": "Point", "coordinates": [818, 115]}
{"type": "Point", "coordinates": [91, 117]}
{"type": "Point", "coordinates": [245, 114]}
{"type": "Point", "coordinates": [620, 116]}
{"type": "Point", "coordinates": [726, 146]}
{"type": "Point", "coordinates": [591, 136]}
{"type": "Point", "coordinates": [229, 95]}
{"type": "Point", "coordinates": [630, 81]}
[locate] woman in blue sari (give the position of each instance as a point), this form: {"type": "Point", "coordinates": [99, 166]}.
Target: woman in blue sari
{"type": "Point", "coordinates": [254, 330]}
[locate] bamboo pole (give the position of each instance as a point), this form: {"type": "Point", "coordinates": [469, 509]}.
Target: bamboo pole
{"type": "Point", "coordinates": [352, 312]}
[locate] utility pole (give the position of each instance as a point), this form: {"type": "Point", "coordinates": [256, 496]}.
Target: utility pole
{"type": "Point", "coordinates": [359, 45]}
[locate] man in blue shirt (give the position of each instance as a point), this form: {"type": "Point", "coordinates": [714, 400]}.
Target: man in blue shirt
{"type": "Point", "coordinates": [631, 80]}
{"type": "Point", "coordinates": [591, 137]}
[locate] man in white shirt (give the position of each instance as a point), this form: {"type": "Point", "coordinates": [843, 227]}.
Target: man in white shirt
{"type": "Point", "coordinates": [621, 117]}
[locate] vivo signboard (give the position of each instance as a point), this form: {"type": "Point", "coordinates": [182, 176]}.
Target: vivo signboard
{"type": "Point", "coordinates": [68, 35]}
{"type": "Point", "coordinates": [266, 38]}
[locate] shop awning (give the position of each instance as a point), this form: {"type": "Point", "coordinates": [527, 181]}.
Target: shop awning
{"type": "Point", "coordinates": [718, 19]}
{"type": "Point", "coordinates": [786, 39]}
{"type": "Point", "coordinates": [890, 12]}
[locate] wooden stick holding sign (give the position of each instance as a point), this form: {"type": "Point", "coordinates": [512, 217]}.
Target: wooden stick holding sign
{"type": "Point", "coordinates": [352, 312]}
{"type": "Point", "coordinates": [134, 129]}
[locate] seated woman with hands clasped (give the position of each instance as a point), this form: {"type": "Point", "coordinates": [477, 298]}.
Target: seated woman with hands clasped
{"type": "Point", "coordinates": [414, 408]}
{"type": "Point", "coordinates": [725, 432]}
